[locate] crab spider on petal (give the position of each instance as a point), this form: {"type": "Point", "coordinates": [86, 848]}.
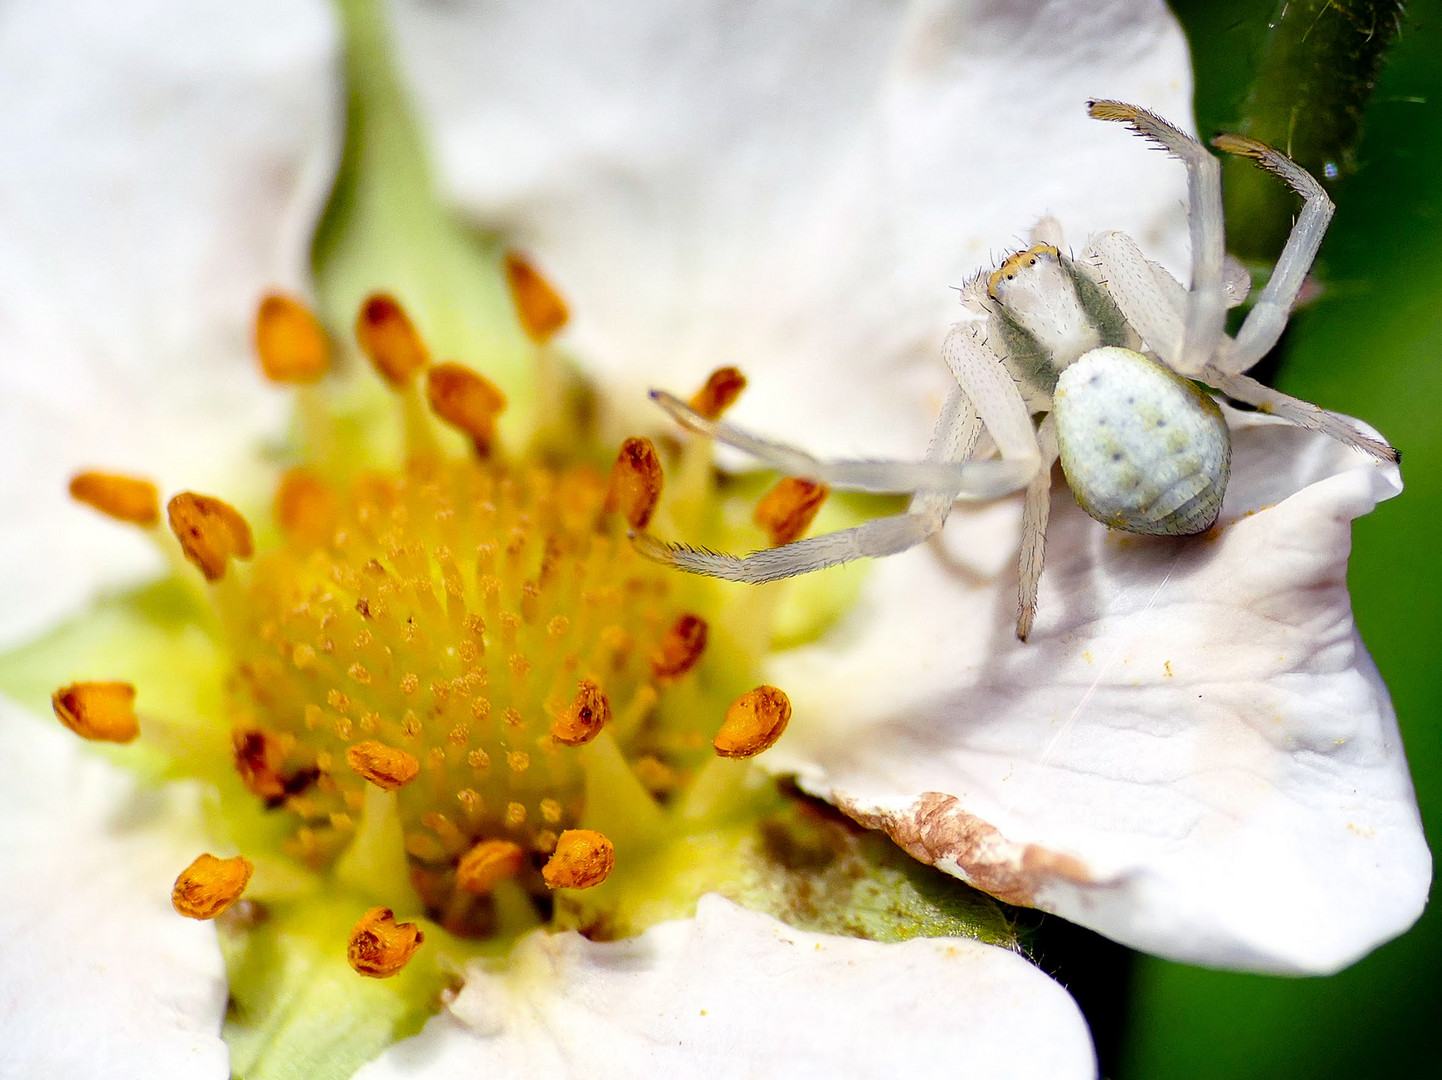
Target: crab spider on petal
{"type": "Point", "coordinates": [1095, 362]}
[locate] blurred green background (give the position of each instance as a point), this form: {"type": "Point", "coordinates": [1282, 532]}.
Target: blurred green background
{"type": "Point", "coordinates": [1370, 346]}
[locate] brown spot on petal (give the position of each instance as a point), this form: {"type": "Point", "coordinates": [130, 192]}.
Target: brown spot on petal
{"type": "Point", "coordinates": [935, 827]}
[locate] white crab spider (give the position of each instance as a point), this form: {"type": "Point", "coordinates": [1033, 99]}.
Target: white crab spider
{"type": "Point", "coordinates": [1143, 447]}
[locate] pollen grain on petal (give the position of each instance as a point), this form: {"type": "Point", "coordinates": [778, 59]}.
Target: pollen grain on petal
{"type": "Point", "coordinates": [584, 718]}
{"type": "Point", "coordinates": [289, 340]}
{"type": "Point", "coordinates": [636, 480]}
{"type": "Point", "coordinates": [390, 340]}
{"type": "Point", "coordinates": [539, 306]}
{"type": "Point", "coordinates": [211, 532]}
{"type": "Point", "coordinates": [753, 723]}
{"type": "Point", "coordinates": [466, 400]}
{"type": "Point", "coordinates": [379, 946]}
{"type": "Point", "coordinates": [387, 767]}
{"type": "Point", "coordinates": [583, 858]}
{"type": "Point", "coordinates": [681, 648]}
{"type": "Point", "coordinates": [786, 511]}
{"type": "Point", "coordinates": [124, 498]}
{"type": "Point", "coordinates": [723, 386]}
{"type": "Point", "coordinates": [489, 863]}
{"type": "Point", "coordinates": [209, 885]}
{"type": "Point", "coordinates": [99, 711]}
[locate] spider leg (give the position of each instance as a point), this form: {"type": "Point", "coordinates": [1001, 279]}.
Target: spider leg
{"type": "Point", "coordinates": [953, 439]}
{"type": "Point", "coordinates": [1034, 513]}
{"type": "Point", "coordinates": [1268, 317]}
{"type": "Point", "coordinates": [1150, 299]}
{"type": "Point", "coordinates": [982, 479]}
{"type": "Point", "coordinates": [1302, 413]}
{"type": "Point", "coordinates": [1206, 309]}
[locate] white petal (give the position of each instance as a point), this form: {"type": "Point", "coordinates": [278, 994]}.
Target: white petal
{"type": "Point", "coordinates": [732, 993]}
{"type": "Point", "coordinates": [165, 161]}
{"type": "Point", "coordinates": [1193, 754]}
{"type": "Point", "coordinates": [101, 978]}
{"type": "Point", "coordinates": [791, 188]}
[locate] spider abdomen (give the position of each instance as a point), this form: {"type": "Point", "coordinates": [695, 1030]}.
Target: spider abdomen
{"type": "Point", "coordinates": [1143, 449]}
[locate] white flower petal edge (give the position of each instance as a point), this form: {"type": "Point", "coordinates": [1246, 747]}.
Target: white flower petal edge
{"type": "Point", "coordinates": [792, 188]}
{"type": "Point", "coordinates": [733, 993]}
{"type": "Point", "coordinates": [101, 977]}
{"type": "Point", "coordinates": [1193, 754]}
{"type": "Point", "coordinates": [165, 162]}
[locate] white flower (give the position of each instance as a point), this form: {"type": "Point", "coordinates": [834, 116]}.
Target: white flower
{"type": "Point", "coordinates": [779, 190]}
{"type": "Point", "coordinates": [1194, 753]}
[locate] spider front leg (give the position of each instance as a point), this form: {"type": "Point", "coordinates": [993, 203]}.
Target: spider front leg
{"type": "Point", "coordinates": [984, 394]}
{"type": "Point", "coordinates": [1036, 509]}
{"type": "Point", "coordinates": [1205, 319]}
{"type": "Point", "coordinates": [953, 440]}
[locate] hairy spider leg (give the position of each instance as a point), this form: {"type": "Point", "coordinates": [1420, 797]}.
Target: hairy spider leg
{"type": "Point", "coordinates": [1206, 314]}
{"type": "Point", "coordinates": [1035, 510]}
{"type": "Point", "coordinates": [1268, 318]}
{"type": "Point", "coordinates": [953, 440]}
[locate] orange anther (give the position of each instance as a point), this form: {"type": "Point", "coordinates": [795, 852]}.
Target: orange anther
{"type": "Point", "coordinates": [681, 648]}
{"type": "Point", "coordinates": [753, 723]}
{"type": "Point", "coordinates": [125, 498]}
{"type": "Point", "coordinates": [465, 400]}
{"type": "Point", "coordinates": [306, 508]}
{"type": "Point", "coordinates": [582, 858]}
{"type": "Point", "coordinates": [100, 711]}
{"type": "Point", "coordinates": [540, 308]}
{"type": "Point", "coordinates": [723, 387]}
{"type": "Point", "coordinates": [209, 885]}
{"type": "Point", "coordinates": [389, 339]}
{"type": "Point", "coordinates": [289, 340]}
{"type": "Point", "coordinates": [258, 758]}
{"type": "Point", "coordinates": [210, 531]}
{"type": "Point", "coordinates": [635, 485]}
{"type": "Point", "coordinates": [786, 511]}
{"type": "Point", "coordinates": [379, 946]}
{"type": "Point", "coordinates": [584, 718]}
{"type": "Point", "coordinates": [387, 767]}
{"type": "Point", "coordinates": [488, 864]}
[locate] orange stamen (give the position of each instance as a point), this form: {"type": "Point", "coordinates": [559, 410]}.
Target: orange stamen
{"type": "Point", "coordinates": [125, 498]}
{"type": "Point", "coordinates": [387, 767]}
{"type": "Point", "coordinates": [635, 485]}
{"type": "Point", "coordinates": [585, 717]}
{"type": "Point", "coordinates": [465, 400]}
{"type": "Point", "coordinates": [290, 342]}
{"type": "Point", "coordinates": [379, 946]}
{"type": "Point", "coordinates": [488, 864]}
{"type": "Point", "coordinates": [753, 723]}
{"type": "Point", "coordinates": [389, 339]}
{"type": "Point", "coordinates": [723, 387]}
{"type": "Point", "coordinates": [540, 308]}
{"type": "Point", "coordinates": [210, 531]}
{"type": "Point", "coordinates": [258, 758]}
{"type": "Point", "coordinates": [306, 508]}
{"type": "Point", "coordinates": [99, 711]}
{"type": "Point", "coordinates": [582, 858]}
{"type": "Point", "coordinates": [681, 648]}
{"type": "Point", "coordinates": [209, 885]}
{"type": "Point", "coordinates": [786, 511]}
